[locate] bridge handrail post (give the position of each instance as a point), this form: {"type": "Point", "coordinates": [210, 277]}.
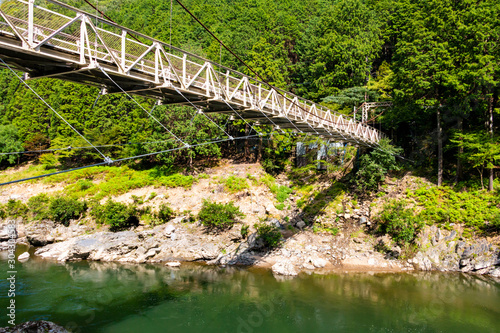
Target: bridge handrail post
{"type": "Point", "coordinates": [124, 43]}
{"type": "Point", "coordinates": [31, 9]}
{"type": "Point", "coordinates": [184, 70]}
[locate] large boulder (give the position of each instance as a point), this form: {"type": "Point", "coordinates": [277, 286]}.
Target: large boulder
{"type": "Point", "coordinates": [284, 268]}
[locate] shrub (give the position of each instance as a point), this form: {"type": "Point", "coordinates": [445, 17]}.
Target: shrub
{"type": "Point", "coordinates": [399, 222]}
{"type": "Point", "coordinates": [15, 208]}
{"type": "Point", "coordinates": [270, 235]}
{"type": "Point", "coordinates": [49, 161]}
{"type": "Point", "coordinates": [280, 206]}
{"type": "Point", "coordinates": [115, 214]}
{"type": "Point", "coordinates": [374, 166]}
{"type": "Point", "coordinates": [244, 231]}
{"type": "Point", "coordinates": [63, 209]}
{"type": "Point", "coordinates": [216, 215]}
{"type": "Point", "coordinates": [235, 184]}
{"type": "Point", "coordinates": [165, 213]}
{"type": "Point", "coordinates": [2, 212]}
{"type": "Point", "coordinates": [282, 192]}
{"type": "Point", "coordinates": [39, 206]}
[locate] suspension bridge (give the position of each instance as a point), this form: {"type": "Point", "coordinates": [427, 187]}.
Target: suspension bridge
{"type": "Point", "coordinates": [63, 42]}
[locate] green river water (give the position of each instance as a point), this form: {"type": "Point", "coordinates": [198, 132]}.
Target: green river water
{"type": "Point", "coordinates": [112, 297]}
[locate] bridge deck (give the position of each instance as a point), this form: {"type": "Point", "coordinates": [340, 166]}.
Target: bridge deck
{"type": "Point", "coordinates": [66, 43]}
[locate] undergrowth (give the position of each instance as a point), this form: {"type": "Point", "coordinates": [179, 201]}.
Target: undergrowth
{"type": "Point", "coordinates": [219, 216]}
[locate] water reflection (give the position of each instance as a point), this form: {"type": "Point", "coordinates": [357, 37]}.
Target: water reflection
{"type": "Point", "coordinates": [112, 297]}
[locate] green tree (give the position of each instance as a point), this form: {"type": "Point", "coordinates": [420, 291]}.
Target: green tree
{"type": "Point", "coordinates": [9, 142]}
{"type": "Point", "coordinates": [479, 150]}
{"type": "Point", "coordinates": [338, 48]}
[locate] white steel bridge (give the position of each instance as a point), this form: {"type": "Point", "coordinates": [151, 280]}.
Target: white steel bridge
{"type": "Point", "coordinates": [64, 42]}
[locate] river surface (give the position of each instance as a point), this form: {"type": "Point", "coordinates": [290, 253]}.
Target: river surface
{"type": "Point", "coordinates": [111, 297]}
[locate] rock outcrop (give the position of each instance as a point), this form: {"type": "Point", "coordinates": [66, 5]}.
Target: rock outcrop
{"type": "Point", "coordinates": [445, 250]}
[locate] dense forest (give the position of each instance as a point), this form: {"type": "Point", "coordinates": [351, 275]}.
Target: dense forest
{"type": "Point", "coordinates": [437, 61]}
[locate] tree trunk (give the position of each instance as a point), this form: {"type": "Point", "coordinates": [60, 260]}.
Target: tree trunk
{"type": "Point", "coordinates": [440, 148]}
{"type": "Point", "coordinates": [490, 125]}
{"type": "Point", "coordinates": [460, 151]}
{"type": "Point", "coordinates": [259, 154]}
{"type": "Point", "coordinates": [247, 148]}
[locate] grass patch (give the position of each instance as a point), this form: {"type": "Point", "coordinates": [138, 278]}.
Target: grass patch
{"type": "Point", "coordinates": [234, 184]}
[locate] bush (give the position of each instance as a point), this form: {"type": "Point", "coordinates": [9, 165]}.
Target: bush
{"type": "Point", "coordinates": [235, 184]}
{"type": "Point", "coordinates": [15, 208]}
{"type": "Point", "coordinates": [63, 209]}
{"type": "Point", "coordinates": [399, 222]}
{"type": "Point", "coordinates": [39, 207]}
{"type": "Point", "coordinates": [221, 216]}
{"type": "Point", "coordinates": [49, 161]}
{"type": "Point", "coordinates": [270, 235]}
{"type": "Point", "coordinates": [244, 231]}
{"type": "Point", "coordinates": [115, 214]}
{"type": "Point", "coordinates": [374, 166]}
{"type": "Point", "coordinates": [2, 212]}
{"type": "Point", "coordinates": [165, 213]}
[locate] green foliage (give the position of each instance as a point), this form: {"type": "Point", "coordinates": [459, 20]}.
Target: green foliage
{"type": "Point", "coordinates": [399, 222]}
{"type": "Point", "coordinates": [15, 208]}
{"type": "Point", "coordinates": [234, 184]}
{"type": "Point", "coordinates": [325, 229]}
{"type": "Point", "coordinates": [219, 216]}
{"type": "Point", "coordinates": [63, 209]}
{"type": "Point", "coordinates": [165, 213]}
{"type": "Point", "coordinates": [39, 207]}
{"type": "Point", "coordinates": [244, 231]}
{"type": "Point", "coordinates": [9, 142]}
{"type": "Point", "coordinates": [115, 214]}
{"type": "Point", "coordinates": [270, 235]}
{"type": "Point", "coordinates": [442, 205]}
{"type": "Point", "coordinates": [335, 47]}
{"type": "Point", "coordinates": [479, 150]}
{"type": "Point", "coordinates": [49, 161]}
{"type": "Point", "coordinates": [280, 206]}
{"type": "Point", "coordinates": [374, 166]}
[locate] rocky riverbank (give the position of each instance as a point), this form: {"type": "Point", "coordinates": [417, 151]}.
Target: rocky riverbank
{"type": "Point", "coordinates": [341, 234]}
{"type": "Point", "coordinates": [301, 251]}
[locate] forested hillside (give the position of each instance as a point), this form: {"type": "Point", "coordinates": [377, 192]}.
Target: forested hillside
{"type": "Point", "coordinates": [438, 61]}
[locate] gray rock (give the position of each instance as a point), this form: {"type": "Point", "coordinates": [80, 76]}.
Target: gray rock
{"type": "Point", "coordinates": [276, 223]}
{"type": "Point", "coordinates": [300, 224]}
{"type": "Point", "coordinates": [284, 268]}
{"type": "Point", "coordinates": [495, 272]}
{"type": "Point", "coordinates": [319, 262]}
{"type": "Point", "coordinates": [23, 256]}
{"type": "Point", "coordinates": [254, 242]}
{"type": "Point", "coordinates": [169, 230]}
{"type": "Point", "coordinates": [468, 252]}
{"type": "Point", "coordinates": [307, 265]}
{"type": "Point", "coordinates": [39, 234]}
{"type": "Point", "coordinates": [173, 264]}
{"type": "Point", "coordinates": [451, 236]}
{"type": "Point", "coordinates": [7, 231]}
{"type": "Point", "coordinates": [363, 220]}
